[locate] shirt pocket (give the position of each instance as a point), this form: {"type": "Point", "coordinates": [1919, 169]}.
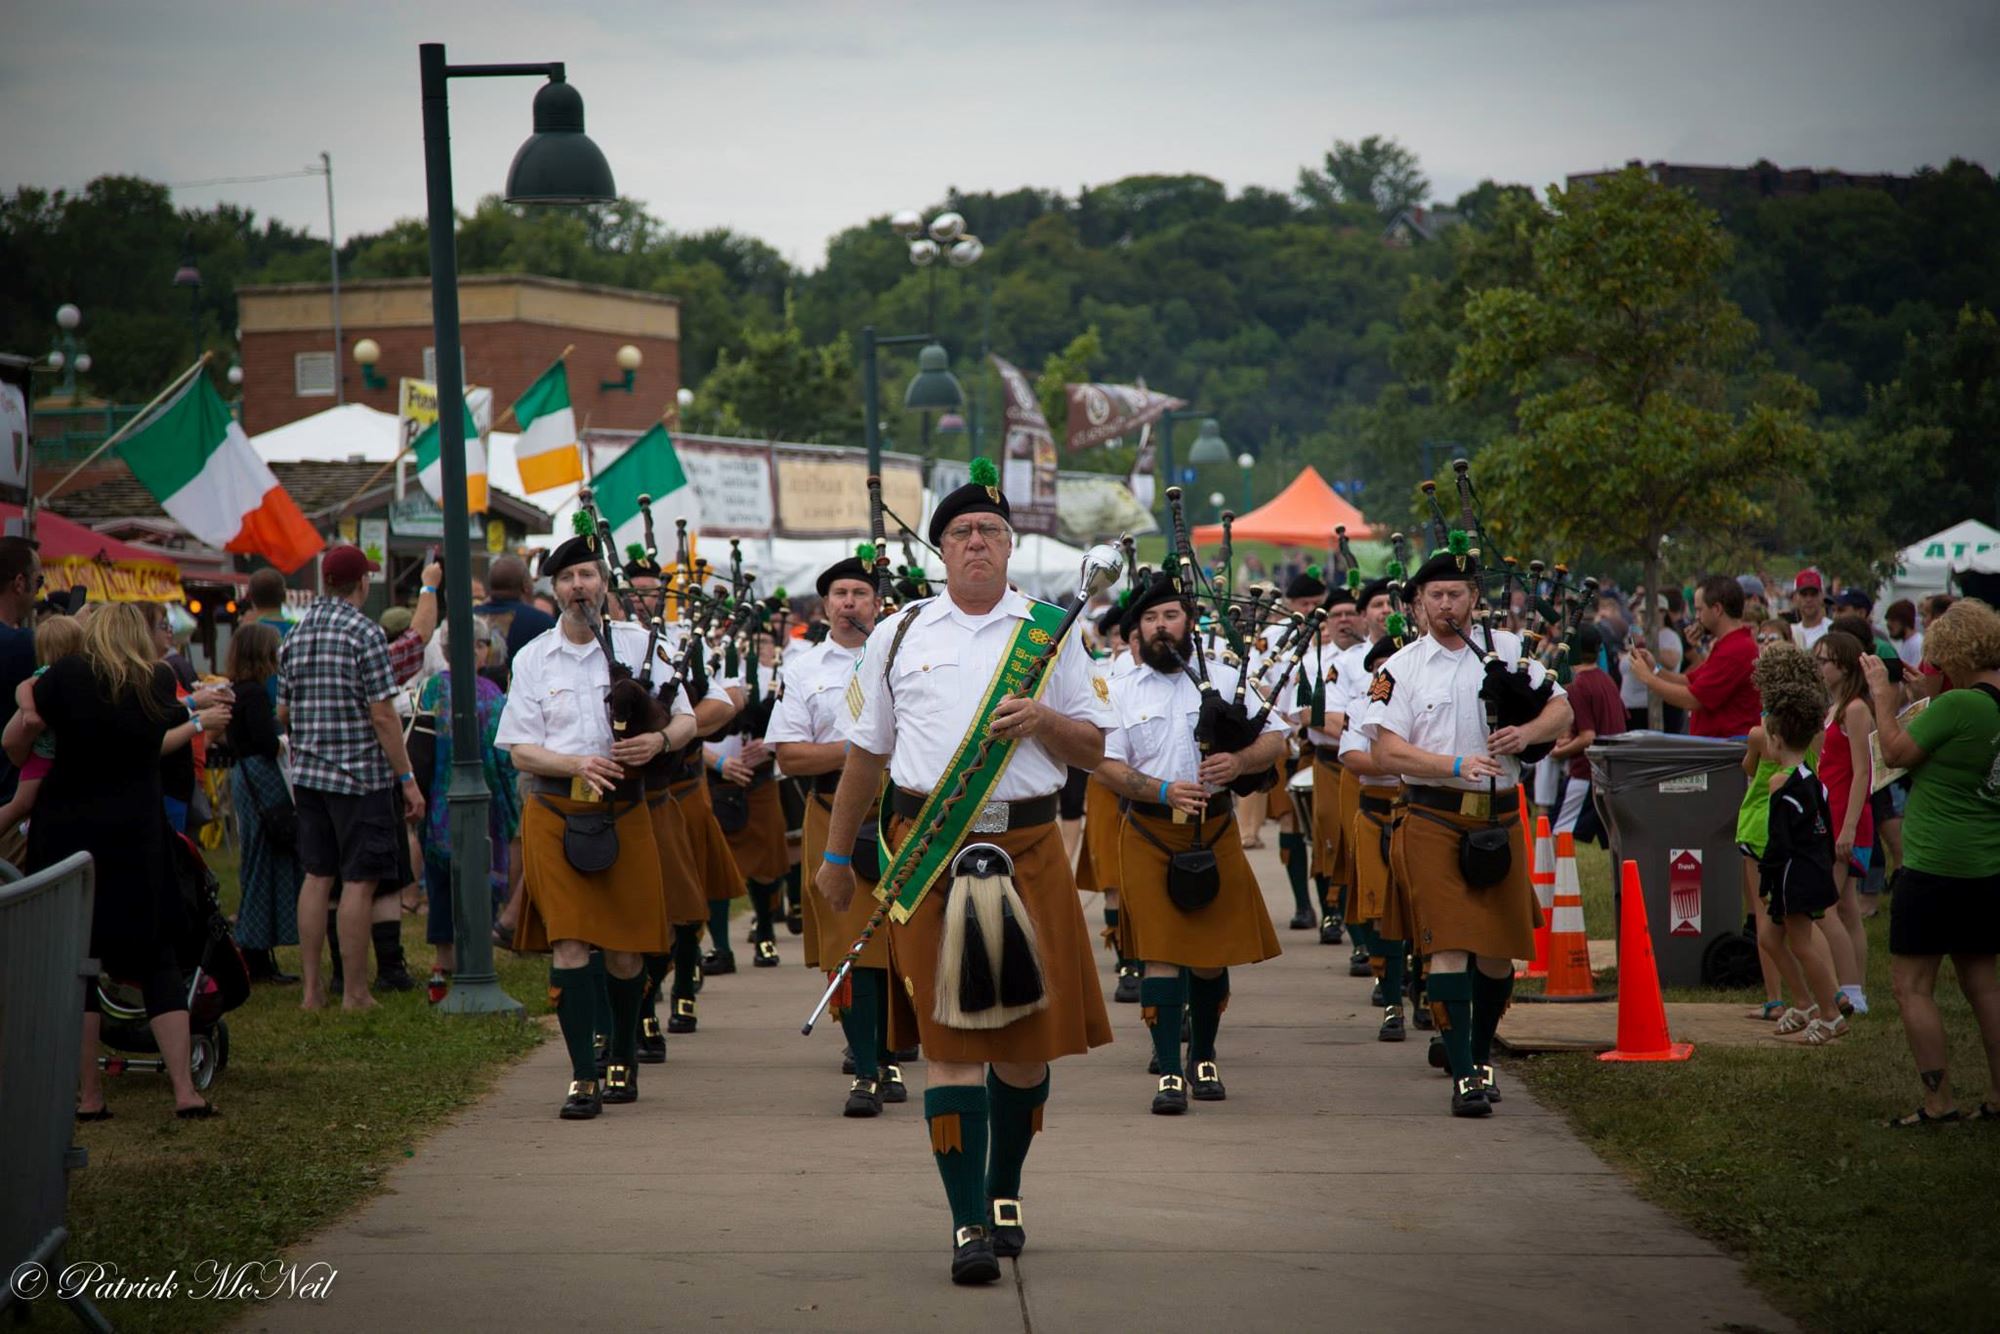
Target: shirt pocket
{"type": "Point", "coordinates": [562, 710]}
{"type": "Point", "coordinates": [931, 685]}
{"type": "Point", "coordinates": [1149, 740]}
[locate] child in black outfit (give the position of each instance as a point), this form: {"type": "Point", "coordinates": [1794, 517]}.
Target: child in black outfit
{"type": "Point", "coordinates": [1796, 870]}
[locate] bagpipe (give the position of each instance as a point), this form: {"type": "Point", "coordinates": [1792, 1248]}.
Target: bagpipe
{"type": "Point", "coordinates": [633, 704]}
{"type": "Point", "coordinates": [905, 583]}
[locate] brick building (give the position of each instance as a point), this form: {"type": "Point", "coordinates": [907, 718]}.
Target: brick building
{"type": "Point", "coordinates": [512, 326]}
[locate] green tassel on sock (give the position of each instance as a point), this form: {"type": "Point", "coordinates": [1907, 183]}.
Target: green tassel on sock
{"type": "Point", "coordinates": [1489, 1002]}
{"type": "Point", "coordinates": [1166, 998]}
{"type": "Point", "coordinates": [958, 1120]}
{"type": "Point", "coordinates": [861, 1018]}
{"type": "Point", "coordinates": [1391, 954]}
{"type": "Point", "coordinates": [1015, 1116]}
{"type": "Point", "coordinates": [576, 1013]}
{"type": "Point", "coordinates": [1206, 996]}
{"type": "Point", "coordinates": [625, 995]}
{"type": "Point", "coordinates": [1296, 869]}
{"type": "Point", "coordinates": [718, 927]}
{"type": "Point", "coordinates": [1452, 993]}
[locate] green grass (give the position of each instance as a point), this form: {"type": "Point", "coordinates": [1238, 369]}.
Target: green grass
{"type": "Point", "coordinates": [1780, 1156]}
{"type": "Point", "coordinates": [316, 1107]}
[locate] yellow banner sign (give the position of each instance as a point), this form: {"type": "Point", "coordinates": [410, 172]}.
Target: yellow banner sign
{"type": "Point", "coordinates": [136, 581]}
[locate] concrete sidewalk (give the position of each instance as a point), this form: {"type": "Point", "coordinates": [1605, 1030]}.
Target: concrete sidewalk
{"type": "Point", "coordinates": [1331, 1190]}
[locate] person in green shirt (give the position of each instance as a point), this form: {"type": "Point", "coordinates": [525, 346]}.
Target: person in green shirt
{"type": "Point", "coordinates": [1946, 897]}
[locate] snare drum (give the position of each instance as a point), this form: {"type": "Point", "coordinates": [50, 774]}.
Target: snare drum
{"type": "Point", "coordinates": [1300, 790]}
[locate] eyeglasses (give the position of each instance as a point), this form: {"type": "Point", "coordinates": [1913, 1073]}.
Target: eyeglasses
{"type": "Point", "coordinates": [988, 532]}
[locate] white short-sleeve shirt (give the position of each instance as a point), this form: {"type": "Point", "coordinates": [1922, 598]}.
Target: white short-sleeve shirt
{"type": "Point", "coordinates": [813, 706]}
{"type": "Point", "coordinates": [1156, 717]}
{"type": "Point", "coordinates": [1428, 695]}
{"type": "Point", "coordinates": [555, 697]}
{"type": "Point", "coordinates": [918, 715]}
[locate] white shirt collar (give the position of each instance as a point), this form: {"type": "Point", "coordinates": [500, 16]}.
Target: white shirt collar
{"type": "Point", "coordinates": [1011, 603]}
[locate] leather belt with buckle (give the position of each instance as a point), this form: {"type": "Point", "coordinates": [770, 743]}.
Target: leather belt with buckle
{"type": "Point", "coordinates": [1480, 805]}
{"type": "Point", "coordinates": [1327, 754]}
{"type": "Point", "coordinates": [541, 785]}
{"type": "Point", "coordinates": [827, 782]}
{"type": "Point", "coordinates": [995, 817]}
{"type": "Point", "coordinates": [1378, 805]}
{"type": "Point", "coordinates": [1219, 805]}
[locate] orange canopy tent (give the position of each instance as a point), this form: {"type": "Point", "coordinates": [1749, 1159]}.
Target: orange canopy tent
{"type": "Point", "coordinates": [1304, 514]}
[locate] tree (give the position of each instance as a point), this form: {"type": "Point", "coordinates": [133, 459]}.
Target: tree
{"type": "Point", "coordinates": [1378, 173]}
{"type": "Point", "coordinates": [1621, 353]}
{"type": "Point", "coordinates": [779, 387]}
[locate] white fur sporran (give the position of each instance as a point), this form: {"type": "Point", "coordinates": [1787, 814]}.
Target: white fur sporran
{"type": "Point", "coordinates": [989, 970]}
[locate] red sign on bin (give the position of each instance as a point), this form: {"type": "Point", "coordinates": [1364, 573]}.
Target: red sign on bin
{"type": "Point", "coordinates": [1684, 892]}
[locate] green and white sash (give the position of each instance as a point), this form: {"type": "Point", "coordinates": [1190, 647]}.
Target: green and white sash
{"type": "Point", "coordinates": [961, 790]}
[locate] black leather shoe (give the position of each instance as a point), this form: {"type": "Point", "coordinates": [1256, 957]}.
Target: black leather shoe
{"type": "Point", "coordinates": [795, 923]}
{"type": "Point", "coordinates": [972, 1258]}
{"type": "Point", "coordinates": [1421, 1016]}
{"type": "Point", "coordinates": [1468, 1099]}
{"type": "Point", "coordinates": [1392, 1025]}
{"type": "Point", "coordinates": [1329, 930]}
{"type": "Point", "coordinates": [682, 1019]}
{"type": "Point", "coordinates": [717, 964]}
{"type": "Point", "coordinates": [1127, 992]}
{"type": "Point", "coordinates": [1303, 921]}
{"type": "Point", "coordinates": [1207, 1083]}
{"type": "Point", "coordinates": [1172, 1098]}
{"type": "Point", "coordinates": [1153, 1064]}
{"type": "Point", "coordinates": [1009, 1238]}
{"type": "Point", "coordinates": [600, 1054]}
{"type": "Point", "coordinates": [847, 1060]}
{"type": "Point", "coordinates": [652, 1042]}
{"type": "Point", "coordinates": [864, 1098]}
{"type": "Point", "coordinates": [582, 1103]}
{"type": "Point", "coordinates": [767, 955]}
{"type": "Point", "coordinates": [621, 1084]}
{"type": "Point", "coordinates": [1357, 963]}
{"type": "Point", "coordinates": [1482, 1075]}
{"type": "Point", "coordinates": [1436, 1054]}
{"type": "Point", "coordinates": [893, 1088]}
{"type": "Point", "coordinates": [394, 979]}
{"type": "Point", "coordinates": [1376, 997]}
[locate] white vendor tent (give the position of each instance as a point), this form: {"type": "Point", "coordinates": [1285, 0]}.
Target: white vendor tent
{"type": "Point", "coordinates": [357, 432]}
{"type": "Point", "coordinates": [1924, 567]}
{"type": "Point", "coordinates": [1042, 566]}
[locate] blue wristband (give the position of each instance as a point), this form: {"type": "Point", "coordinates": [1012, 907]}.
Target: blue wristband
{"type": "Point", "coordinates": [836, 859]}
{"type": "Point", "coordinates": [1163, 794]}
{"type": "Point", "coordinates": [1457, 764]}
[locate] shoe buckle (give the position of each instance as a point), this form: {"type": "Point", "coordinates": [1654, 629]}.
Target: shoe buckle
{"type": "Point", "coordinates": [649, 1027]}
{"type": "Point", "coordinates": [966, 1235]}
{"type": "Point", "coordinates": [582, 1088]}
{"type": "Point", "coordinates": [684, 1008]}
{"type": "Point", "coordinates": [1467, 1086]}
{"type": "Point", "coordinates": [766, 950]}
{"type": "Point", "coordinates": [1205, 1072]}
{"type": "Point", "coordinates": [1006, 1213]}
{"type": "Point", "coordinates": [868, 1086]}
{"type": "Point", "coordinates": [1391, 1012]}
{"type": "Point", "coordinates": [892, 1074]}
{"type": "Point", "coordinates": [1172, 1084]}
{"type": "Point", "coordinates": [616, 1076]}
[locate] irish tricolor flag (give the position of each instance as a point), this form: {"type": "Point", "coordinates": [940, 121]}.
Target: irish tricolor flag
{"type": "Point", "coordinates": [194, 458]}
{"type": "Point", "coordinates": [651, 468]}
{"type": "Point", "coordinates": [547, 453]}
{"type": "Point", "coordinates": [429, 452]}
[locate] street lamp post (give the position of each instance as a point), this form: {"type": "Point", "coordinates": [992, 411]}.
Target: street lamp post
{"type": "Point", "coordinates": [1209, 446]}
{"type": "Point", "coordinates": [934, 386]}
{"type": "Point", "coordinates": [68, 355]}
{"type": "Point", "coordinates": [944, 236]}
{"type": "Point", "coordinates": [557, 165]}
{"type": "Point", "coordinates": [1246, 461]}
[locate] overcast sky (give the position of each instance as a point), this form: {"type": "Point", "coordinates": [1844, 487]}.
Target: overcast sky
{"type": "Point", "coordinates": [791, 120]}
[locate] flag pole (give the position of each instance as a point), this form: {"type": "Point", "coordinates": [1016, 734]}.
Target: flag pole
{"type": "Point", "coordinates": [122, 431]}
{"type": "Point", "coordinates": [509, 412]}
{"type": "Point", "coordinates": [376, 476]}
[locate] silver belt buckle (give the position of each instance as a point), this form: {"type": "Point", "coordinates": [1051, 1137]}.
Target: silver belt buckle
{"type": "Point", "coordinates": [992, 818]}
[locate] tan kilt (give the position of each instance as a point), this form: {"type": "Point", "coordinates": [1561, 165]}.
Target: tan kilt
{"type": "Point", "coordinates": [1341, 891]}
{"type": "Point", "coordinates": [1498, 921]}
{"type": "Point", "coordinates": [714, 865]}
{"type": "Point", "coordinates": [1097, 862]}
{"type": "Point", "coordinates": [1235, 928]}
{"type": "Point", "coordinates": [686, 904]}
{"type": "Point", "coordinates": [619, 909]}
{"type": "Point", "coordinates": [1378, 896]}
{"type": "Point", "coordinates": [1278, 798]}
{"type": "Point", "coordinates": [829, 935]}
{"type": "Point", "coordinates": [1327, 839]}
{"type": "Point", "coordinates": [1074, 1020]}
{"type": "Point", "coordinates": [758, 848]}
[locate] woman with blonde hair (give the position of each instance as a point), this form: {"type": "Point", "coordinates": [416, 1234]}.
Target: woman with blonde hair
{"type": "Point", "coordinates": [1946, 897]}
{"type": "Point", "coordinates": [113, 706]}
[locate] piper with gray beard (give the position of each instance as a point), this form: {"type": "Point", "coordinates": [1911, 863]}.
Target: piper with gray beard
{"type": "Point", "coordinates": [1188, 899]}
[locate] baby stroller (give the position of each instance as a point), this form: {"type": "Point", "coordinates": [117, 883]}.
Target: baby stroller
{"type": "Point", "coordinates": [217, 979]}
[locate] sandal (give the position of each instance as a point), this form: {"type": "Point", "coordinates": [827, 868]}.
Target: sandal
{"type": "Point", "coordinates": [1821, 1031]}
{"type": "Point", "coordinates": [1920, 1117]}
{"type": "Point", "coordinates": [1794, 1020]}
{"type": "Point", "coordinates": [1768, 1011]}
{"type": "Point", "coordinates": [201, 1113]}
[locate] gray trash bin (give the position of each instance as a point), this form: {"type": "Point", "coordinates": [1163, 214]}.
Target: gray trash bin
{"type": "Point", "coordinates": [1669, 803]}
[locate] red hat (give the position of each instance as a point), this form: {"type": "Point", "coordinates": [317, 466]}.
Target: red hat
{"type": "Point", "coordinates": [346, 565]}
{"type": "Point", "coordinates": [1808, 579]}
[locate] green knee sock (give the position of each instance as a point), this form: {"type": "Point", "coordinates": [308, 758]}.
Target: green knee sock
{"type": "Point", "coordinates": [1111, 921]}
{"type": "Point", "coordinates": [1206, 997]}
{"type": "Point", "coordinates": [625, 994]}
{"type": "Point", "coordinates": [657, 968]}
{"type": "Point", "coordinates": [576, 1013]}
{"type": "Point", "coordinates": [763, 902]}
{"type": "Point", "coordinates": [601, 1022]}
{"type": "Point", "coordinates": [687, 958]}
{"type": "Point", "coordinates": [1452, 994]}
{"type": "Point", "coordinates": [958, 1121]}
{"type": "Point", "coordinates": [1489, 1001]}
{"type": "Point", "coordinates": [718, 926]}
{"type": "Point", "coordinates": [1391, 954]}
{"type": "Point", "coordinates": [1016, 1115]}
{"type": "Point", "coordinates": [1296, 868]}
{"type": "Point", "coordinates": [858, 1020]}
{"type": "Point", "coordinates": [1166, 998]}
{"type": "Point", "coordinates": [1111, 917]}
{"type": "Point", "coordinates": [794, 891]}
{"type": "Point", "coordinates": [1364, 936]}
{"type": "Point", "coordinates": [1321, 885]}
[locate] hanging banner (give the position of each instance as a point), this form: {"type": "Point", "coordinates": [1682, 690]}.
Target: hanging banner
{"type": "Point", "coordinates": [823, 491]}
{"type": "Point", "coordinates": [1028, 458]}
{"type": "Point", "coordinates": [1101, 413]}
{"type": "Point", "coordinates": [115, 581]}
{"type": "Point", "coordinates": [1684, 892]}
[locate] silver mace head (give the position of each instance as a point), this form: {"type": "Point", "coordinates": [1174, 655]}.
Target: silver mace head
{"type": "Point", "coordinates": [1102, 565]}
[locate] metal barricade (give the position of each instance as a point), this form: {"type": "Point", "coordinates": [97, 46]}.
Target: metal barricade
{"type": "Point", "coordinates": [44, 964]}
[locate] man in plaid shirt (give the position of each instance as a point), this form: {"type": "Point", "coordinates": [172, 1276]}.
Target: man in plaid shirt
{"type": "Point", "coordinates": [336, 694]}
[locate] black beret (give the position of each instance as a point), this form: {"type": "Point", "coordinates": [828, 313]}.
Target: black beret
{"type": "Point", "coordinates": [1341, 593]}
{"type": "Point", "coordinates": [1306, 584]}
{"type": "Point", "coordinates": [1445, 564]}
{"type": "Point", "coordinates": [851, 568]}
{"type": "Point", "coordinates": [579, 550]}
{"type": "Point", "coordinates": [1370, 591]}
{"type": "Point", "coordinates": [1163, 588]}
{"type": "Point", "coordinates": [1112, 621]}
{"type": "Point", "coordinates": [638, 565]}
{"type": "Point", "coordinates": [1384, 649]}
{"type": "Point", "coordinates": [981, 495]}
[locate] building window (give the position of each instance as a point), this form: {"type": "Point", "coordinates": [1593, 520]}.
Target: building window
{"type": "Point", "coordinates": [312, 375]}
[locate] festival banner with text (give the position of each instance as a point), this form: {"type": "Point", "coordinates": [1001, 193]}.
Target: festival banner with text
{"type": "Point", "coordinates": [1028, 459]}
{"type": "Point", "coordinates": [1101, 413]}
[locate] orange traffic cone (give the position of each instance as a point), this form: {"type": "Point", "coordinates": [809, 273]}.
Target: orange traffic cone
{"type": "Point", "coordinates": [1542, 875]}
{"type": "Point", "coordinates": [1569, 951]}
{"type": "Point", "coordinates": [1642, 1015]}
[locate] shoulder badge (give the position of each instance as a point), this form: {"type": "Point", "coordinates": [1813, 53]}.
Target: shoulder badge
{"type": "Point", "coordinates": [1382, 687]}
